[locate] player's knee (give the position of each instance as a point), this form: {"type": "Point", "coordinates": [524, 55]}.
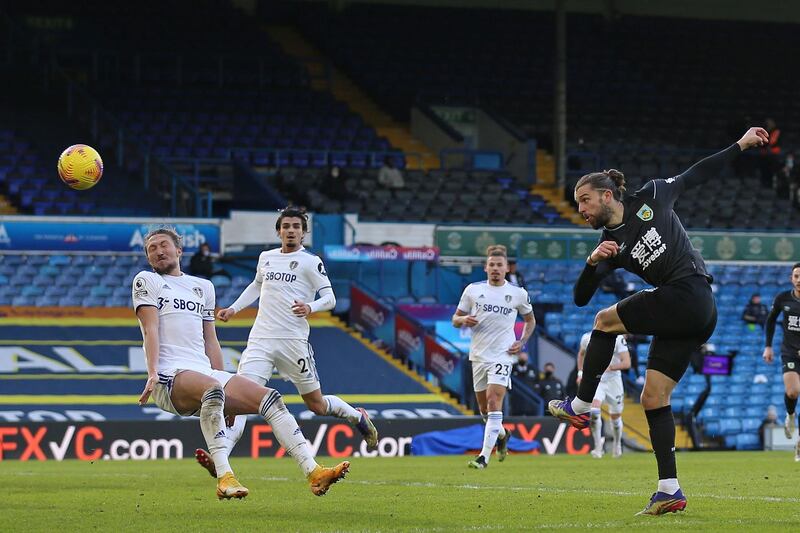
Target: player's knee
{"type": "Point", "coordinates": [213, 394]}
{"type": "Point", "coordinates": [271, 403]}
{"type": "Point", "coordinates": [603, 320]}
{"type": "Point", "coordinates": [318, 407]}
{"type": "Point", "coordinates": [792, 392]}
{"type": "Point", "coordinates": [651, 398]}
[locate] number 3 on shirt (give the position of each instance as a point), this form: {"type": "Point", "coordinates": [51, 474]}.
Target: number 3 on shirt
{"type": "Point", "coordinates": [501, 369]}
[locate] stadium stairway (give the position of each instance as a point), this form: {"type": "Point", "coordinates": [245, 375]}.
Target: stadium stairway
{"type": "Point", "coordinates": [399, 135]}
{"type": "Point", "coordinates": [547, 188]}
{"type": "Point", "coordinates": [6, 208]}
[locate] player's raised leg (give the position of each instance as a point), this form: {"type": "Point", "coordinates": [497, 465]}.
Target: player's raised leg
{"type": "Point", "coordinates": [246, 397]}
{"type": "Point", "coordinates": [607, 326]}
{"type": "Point", "coordinates": [330, 405]}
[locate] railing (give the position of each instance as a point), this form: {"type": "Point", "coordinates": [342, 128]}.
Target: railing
{"type": "Point", "coordinates": [472, 159]}
{"type": "Point", "coordinates": [219, 69]}
{"type": "Point", "coordinates": [285, 157]}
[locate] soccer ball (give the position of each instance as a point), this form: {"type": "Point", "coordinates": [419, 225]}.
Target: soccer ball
{"type": "Point", "coordinates": [80, 167]}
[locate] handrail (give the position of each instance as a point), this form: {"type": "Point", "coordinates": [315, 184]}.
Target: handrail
{"type": "Point", "coordinates": [442, 124]}
{"type": "Point", "coordinates": [373, 155]}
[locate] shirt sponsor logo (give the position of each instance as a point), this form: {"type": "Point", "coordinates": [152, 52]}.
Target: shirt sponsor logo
{"type": "Point", "coordinates": [280, 276]}
{"type": "Point", "coordinates": [645, 213]}
{"type": "Point", "coordinates": [794, 323]}
{"type": "Point", "coordinates": [649, 248]}
{"type": "Point", "coordinates": [489, 308]}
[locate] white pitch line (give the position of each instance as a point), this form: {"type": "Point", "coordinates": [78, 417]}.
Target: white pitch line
{"type": "Point", "coordinates": [427, 484]}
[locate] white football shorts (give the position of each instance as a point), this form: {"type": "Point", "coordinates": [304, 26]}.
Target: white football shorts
{"type": "Point", "coordinates": [162, 392]}
{"type": "Point", "coordinates": [484, 374]}
{"type": "Point", "coordinates": [292, 358]}
{"type": "Point", "coordinates": [612, 394]}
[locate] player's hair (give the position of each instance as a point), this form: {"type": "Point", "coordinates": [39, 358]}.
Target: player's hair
{"type": "Point", "coordinates": [496, 250]}
{"type": "Point", "coordinates": [612, 180]}
{"type": "Point", "coordinates": [164, 230]}
{"type": "Point", "coordinates": [292, 211]}
{"type": "Point", "coordinates": [796, 265]}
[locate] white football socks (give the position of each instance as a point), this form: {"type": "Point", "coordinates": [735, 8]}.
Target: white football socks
{"type": "Point", "coordinates": [234, 432]}
{"type": "Point", "coordinates": [616, 427]}
{"type": "Point", "coordinates": [494, 424]}
{"type": "Point", "coordinates": [341, 409]}
{"type": "Point", "coordinates": [579, 406]}
{"type": "Point", "coordinates": [597, 428]}
{"type": "Point", "coordinates": [669, 486]}
{"type": "Point", "coordinates": [286, 430]}
{"type": "Point", "coordinates": [212, 424]}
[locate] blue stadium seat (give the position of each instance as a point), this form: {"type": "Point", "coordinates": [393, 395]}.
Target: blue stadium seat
{"type": "Point", "coordinates": [747, 441]}
{"type": "Point", "coordinates": [70, 301]}
{"type": "Point", "coordinates": [712, 428]}
{"type": "Point", "coordinates": [32, 290]}
{"type": "Point", "coordinates": [730, 426]}
{"type": "Point", "coordinates": [750, 425]}
{"type": "Point", "coordinates": [46, 301]}
{"type": "Point", "coordinates": [19, 301]}
{"type": "Point", "coordinates": [221, 281]}
{"type": "Point", "coordinates": [100, 290]}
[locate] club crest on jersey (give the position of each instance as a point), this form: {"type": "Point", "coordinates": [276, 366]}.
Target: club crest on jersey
{"type": "Point", "coordinates": [293, 265]}
{"type": "Point", "coordinates": [790, 365]}
{"type": "Point", "coordinates": [198, 291]}
{"type": "Point", "coordinates": [645, 213]}
{"type": "Point", "coordinates": [508, 298]}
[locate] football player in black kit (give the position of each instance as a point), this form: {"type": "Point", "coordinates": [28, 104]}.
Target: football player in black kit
{"type": "Point", "coordinates": [643, 235]}
{"type": "Point", "coordinates": [789, 303]}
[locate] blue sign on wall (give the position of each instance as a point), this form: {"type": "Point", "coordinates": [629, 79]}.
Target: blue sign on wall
{"type": "Point", "coordinates": [87, 236]}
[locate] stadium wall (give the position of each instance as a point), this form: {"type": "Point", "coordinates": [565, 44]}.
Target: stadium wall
{"type": "Point", "coordinates": [92, 441]}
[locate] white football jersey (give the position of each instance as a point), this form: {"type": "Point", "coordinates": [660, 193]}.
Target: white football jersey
{"type": "Point", "coordinates": [285, 278]}
{"type": "Point", "coordinates": [183, 303]}
{"type": "Point", "coordinates": [496, 309]}
{"type": "Point", "coordinates": [620, 346]}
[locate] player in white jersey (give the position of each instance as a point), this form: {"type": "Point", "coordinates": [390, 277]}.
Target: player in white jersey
{"type": "Point", "coordinates": [490, 308]}
{"type": "Point", "coordinates": [610, 391]}
{"type": "Point", "coordinates": [286, 281]}
{"type": "Point", "coordinates": [184, 367]}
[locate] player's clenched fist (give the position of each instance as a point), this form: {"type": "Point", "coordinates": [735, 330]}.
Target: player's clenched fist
{"type": "Point", "coordinates": [605, 250]}
{"type": "Point", "coordinates": [226, 314]}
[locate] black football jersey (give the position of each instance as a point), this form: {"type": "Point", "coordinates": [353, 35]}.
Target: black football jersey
{"type": "Point", "coordinates": [786, 303]}
{"type": "Point", "coordinates": [652, 241]}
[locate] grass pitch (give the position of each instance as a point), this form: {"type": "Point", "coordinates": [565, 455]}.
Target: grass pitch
{"type": "Point", "coordinates": [726, 490]}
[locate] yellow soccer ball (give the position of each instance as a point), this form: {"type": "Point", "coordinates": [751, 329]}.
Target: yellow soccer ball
{"type": "Point", "coordinates": [80, 167]}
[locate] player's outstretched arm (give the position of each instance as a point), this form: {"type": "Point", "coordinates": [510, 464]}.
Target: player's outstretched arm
{"type": "Point", "coordinates": [712, 166]}
{"type": "Point", "coordinates": [249, 295]}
